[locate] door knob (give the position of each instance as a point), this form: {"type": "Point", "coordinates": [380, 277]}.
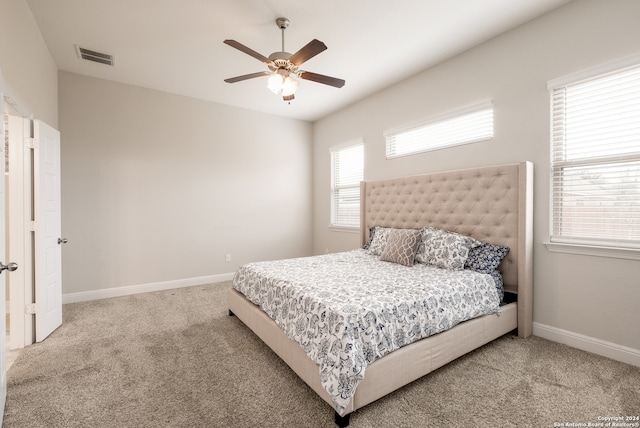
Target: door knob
{"type": "Point", "coordinates": [9, 266]}
{"type": "Point", "coordinates": [62, 241]}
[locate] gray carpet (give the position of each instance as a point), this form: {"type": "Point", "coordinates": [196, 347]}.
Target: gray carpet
{"type": "Point", "coordinates": [176, 359]}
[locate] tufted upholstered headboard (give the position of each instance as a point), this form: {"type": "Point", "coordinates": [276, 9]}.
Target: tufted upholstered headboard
{"type": "Point", "coordinates": [492, 204]}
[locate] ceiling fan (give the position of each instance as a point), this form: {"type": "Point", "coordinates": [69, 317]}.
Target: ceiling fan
{"type": "Point", "coordinates": [283, 66]}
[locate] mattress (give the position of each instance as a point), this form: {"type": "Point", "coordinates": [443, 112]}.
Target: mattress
{"type": "Point", "coordinates": [349, 309]}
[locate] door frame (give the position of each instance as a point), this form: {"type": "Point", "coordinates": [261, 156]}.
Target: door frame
{"type": "Point", "coordinates": [3, 345]}
{"type": "Point", "coordinates": [20, 209]}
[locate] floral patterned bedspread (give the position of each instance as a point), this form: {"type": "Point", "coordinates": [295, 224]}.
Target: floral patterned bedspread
{"type": "Point", "coordinates": [348, 309]}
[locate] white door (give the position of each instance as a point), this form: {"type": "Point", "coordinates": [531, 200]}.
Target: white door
{"type": "Point", "coordinates": [48, 248]}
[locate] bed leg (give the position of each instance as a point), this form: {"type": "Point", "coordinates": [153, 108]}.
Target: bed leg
{"type": "Point", "coordinates": [231, 314]}
{"type": "Point", "coordinates": [342, 421]}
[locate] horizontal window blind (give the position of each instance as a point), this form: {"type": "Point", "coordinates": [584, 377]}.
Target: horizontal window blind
{"type": "Point", "coordinates": [595, 160]}
{"type": "Point", "coordinates": [347, 171]}
{"type": "Point", "coordinates": [461, 128]}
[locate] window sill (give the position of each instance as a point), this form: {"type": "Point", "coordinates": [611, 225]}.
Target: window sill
{"type": "Point", "coordinates": [344, 229]}
{"type": "Point", "coordinates": [592, 250]}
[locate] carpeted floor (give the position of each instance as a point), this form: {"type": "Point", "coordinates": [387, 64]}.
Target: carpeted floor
{"type": "Point", "coordinates": [176, 359]}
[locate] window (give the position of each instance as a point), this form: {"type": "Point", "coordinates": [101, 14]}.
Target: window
{"type": "Point", "coordinates": [595, 159]}
{"type": "Point", "coordinates": [462, 127]}
{"type": "Point", "coordinates": [347, 170]}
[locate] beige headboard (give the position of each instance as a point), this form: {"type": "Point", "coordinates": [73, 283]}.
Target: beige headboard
{"type": "Point", "coordinates": [492, 204]}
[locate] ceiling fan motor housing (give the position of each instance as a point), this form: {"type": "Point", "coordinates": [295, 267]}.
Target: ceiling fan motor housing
{"type": "Point", "coordinates": [281, 60]}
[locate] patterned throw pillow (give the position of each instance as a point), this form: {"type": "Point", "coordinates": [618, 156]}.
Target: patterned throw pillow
{"type": "Point", "coordinates": [379, 240]}
{"type": "Point", "coordinates": [401, 247]}
{"type": "Point", "coordinates": [497, 278]}
{"type": "Point", "coordinates": [444, 249]}
{"type": "Point", "coordinates": [485, 258]}
{"type": "Point", "coordinates": [367, 244]}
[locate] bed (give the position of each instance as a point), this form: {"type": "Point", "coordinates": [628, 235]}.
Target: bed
{"type": "Point", "coordinates": [489, 204]}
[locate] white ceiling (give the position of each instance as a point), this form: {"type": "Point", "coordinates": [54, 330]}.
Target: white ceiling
{"type": "Point", "coordinates": [177, 46]}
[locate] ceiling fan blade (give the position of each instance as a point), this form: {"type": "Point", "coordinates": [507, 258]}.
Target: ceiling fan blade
{"type": "Point", "coordinates": [321, 78]}
{"type": "Point", "coordinates": [248, 51]}
{"type": "Point", "coordinates": [311, 49]}
{"type": "Point", "coordinates": [247, 76]}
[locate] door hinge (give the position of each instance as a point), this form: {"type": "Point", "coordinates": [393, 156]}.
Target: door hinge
{"type": "Point", "coordinates": [31, 143]}
{"type": "Point", "coordinates": [31, 309]}
{"type": "Point", "coordinates": [32, 226]}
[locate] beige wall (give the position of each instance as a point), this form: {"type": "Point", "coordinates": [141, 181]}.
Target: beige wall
{"type": "Point", "coordinates": [159, 187]}
{"type": "Point", "coordinates": [592, 296]}
{"type": "Point", "coordinates": [27, 65]}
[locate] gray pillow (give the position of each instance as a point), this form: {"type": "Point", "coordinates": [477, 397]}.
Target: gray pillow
{"type": "Point", "coordinates": [401, 246]}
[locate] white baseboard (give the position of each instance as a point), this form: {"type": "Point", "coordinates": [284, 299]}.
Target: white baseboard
{"type": "Point", "coordinates": [589, 344]}
{"type": "Point", "coordinates": [106, 293]}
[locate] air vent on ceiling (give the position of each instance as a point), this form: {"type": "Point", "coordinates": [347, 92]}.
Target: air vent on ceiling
{"type": "Point", "coordinates": [95, 56]}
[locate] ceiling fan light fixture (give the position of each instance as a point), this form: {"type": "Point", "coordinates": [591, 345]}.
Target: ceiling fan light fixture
{"type": "Point", "coordinates": [275, 83]}
{"type": "Point", "coordinates": [290, 86]}
{"type": "Point", "coordinates": [282, 83]}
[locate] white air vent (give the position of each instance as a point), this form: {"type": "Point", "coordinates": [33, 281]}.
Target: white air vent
{"type": "Point", "coordinates": [95, 56]}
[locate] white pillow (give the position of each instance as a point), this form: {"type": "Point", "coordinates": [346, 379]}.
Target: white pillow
{"type": "Point", "coordinates": [444, 249]}
{"type": "Point", "coordinates": [379, 240]}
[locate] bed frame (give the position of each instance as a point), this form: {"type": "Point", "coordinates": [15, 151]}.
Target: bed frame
{"type": "Point", "coordinates": [492, 204]}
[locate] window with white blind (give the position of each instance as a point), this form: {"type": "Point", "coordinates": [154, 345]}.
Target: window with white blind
{"type": "Point", "coordinates": [595, 159]}
{"type": "Point", "coordinates": [469, 125]}
{"type": "Point", "coordinates": [347, 171]}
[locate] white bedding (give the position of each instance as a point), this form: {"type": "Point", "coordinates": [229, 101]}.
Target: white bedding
{"type": "Point", "coordinates": [348, 309]}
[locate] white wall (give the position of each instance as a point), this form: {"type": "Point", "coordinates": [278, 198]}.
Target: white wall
{"type": "Point", "coordinates": [573, 295]}
{"type": "Point", "coordinates": [27, 65]}
{"type": "Point", "coordinates": [159, 187]}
